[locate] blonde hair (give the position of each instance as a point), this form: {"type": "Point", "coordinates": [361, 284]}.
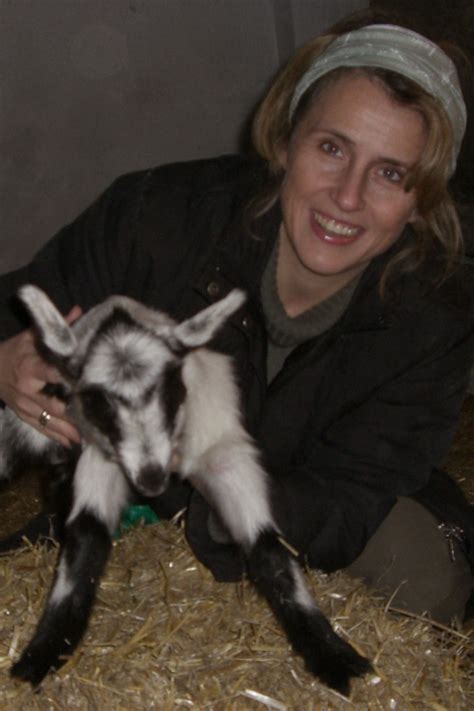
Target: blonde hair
{"type": "Point", "coordinates": [438, 223]}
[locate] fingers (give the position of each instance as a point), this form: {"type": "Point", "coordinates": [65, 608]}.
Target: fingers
{"type": "Point", "coordinates": [54, 427]}
{"type": "Point", "coordinates": [73, 315]}
{"type": "Point", "coordinates": [23, 375]}
{"type": "Point", "coordinates": [57, 426]}
{"type": "Point", "coordinates": [48, 416]}
{"type": "Point", "coordinates": [48, 422]}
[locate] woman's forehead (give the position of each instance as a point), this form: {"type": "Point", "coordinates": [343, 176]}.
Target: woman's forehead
{"type": "Point", "coordinates": [361, 111]}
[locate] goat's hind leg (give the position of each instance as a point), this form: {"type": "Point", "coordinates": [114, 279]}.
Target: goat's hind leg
{"type": "Point", "coordinates": [236, 487]}
{"type": "Point", "coordinates": [99, 496]}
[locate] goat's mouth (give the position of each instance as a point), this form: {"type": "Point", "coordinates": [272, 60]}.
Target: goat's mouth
{"type": "Point", "coordinates": [152, 481]}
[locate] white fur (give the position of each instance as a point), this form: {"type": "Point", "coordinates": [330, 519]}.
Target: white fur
{"type": "Point", "coordinates": [128, 364]}
{"type": "Point", "coordinates": [217, 453]}
{"type": "Point", "coordinates": [229, 477]}
{"type": "Point", "coordinates": [63, 584]}
{"type": "Point", "coordinates": [145, 442]}
{"type": "Point", "coordinates": [199, 329]}
{"type": "Point", "coordinates": [302, 595]}
{"type": "Point", "coordinates": [54, 330]}
{"type": "Point", "coordinates": [212, 410]}
{"type": "Point", "coordinates": [99, 487]}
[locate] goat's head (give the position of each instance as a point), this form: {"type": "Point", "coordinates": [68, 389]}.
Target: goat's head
{"type": "Point", "coordinates": [122, 363]}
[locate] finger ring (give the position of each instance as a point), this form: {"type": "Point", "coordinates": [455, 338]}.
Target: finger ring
{"type": "Point", "coordinates": [44, 418]}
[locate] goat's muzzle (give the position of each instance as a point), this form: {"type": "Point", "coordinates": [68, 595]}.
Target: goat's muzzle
{"type": "Point", "coordinates": [152, 480]}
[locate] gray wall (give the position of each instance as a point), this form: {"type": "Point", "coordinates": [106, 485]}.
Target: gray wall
{"type": "Point", "coordinates": [94, 88]}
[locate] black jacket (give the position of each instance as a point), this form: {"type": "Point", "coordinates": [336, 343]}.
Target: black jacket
{"type": "Point", "coordinates": [355, 418]}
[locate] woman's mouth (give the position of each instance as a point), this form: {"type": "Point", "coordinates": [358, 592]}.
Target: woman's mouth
{"type": "Point", "coordinates": [332, 231]}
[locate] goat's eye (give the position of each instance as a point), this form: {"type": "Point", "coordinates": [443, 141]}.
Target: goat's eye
{"type": "Point", "coordinates": [172, 392]}
{"type": "Point", "coordinates": [99, 411]}
{"type": "Point", "coordinates": [95, 401]}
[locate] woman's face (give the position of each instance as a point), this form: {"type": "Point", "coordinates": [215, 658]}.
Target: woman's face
{"type": "Point", "coordinates": [343, 196]}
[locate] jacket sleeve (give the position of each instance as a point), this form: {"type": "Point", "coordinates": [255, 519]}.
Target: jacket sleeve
{"type": "Point", "coordinates": [346, 480]}
{"type": "Point", "coordinates": [85, 261]}
{"type": "Point", "coordinates": [139, 239]}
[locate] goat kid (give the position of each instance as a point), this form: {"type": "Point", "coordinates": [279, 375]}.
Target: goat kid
{"type": "Point", "coordinates": [145, 393]}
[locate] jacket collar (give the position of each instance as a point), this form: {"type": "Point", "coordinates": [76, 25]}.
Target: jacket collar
{"type": "Point", "coordinates": [239, 259]}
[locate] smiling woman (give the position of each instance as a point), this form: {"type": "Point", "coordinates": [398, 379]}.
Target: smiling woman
{"type": "Point", "coordinates": [415, 80]}
{"type": "Point", "coordinates": [344, 195]}
{"type": "Point", "coordinates": [353, 350]}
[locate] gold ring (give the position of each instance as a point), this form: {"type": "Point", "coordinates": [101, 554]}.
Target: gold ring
{"type": "Point", "coordinates": [44, 418]}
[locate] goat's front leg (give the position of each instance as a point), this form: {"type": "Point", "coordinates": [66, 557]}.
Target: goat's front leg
{"type": "Point", "coordinates": [280, 580]}
{"type": "Point", "coordinates": [100, 493]}
{"type": "Point", "coordinates": [236, 487]}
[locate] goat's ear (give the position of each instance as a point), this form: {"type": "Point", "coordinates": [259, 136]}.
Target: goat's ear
{"type": "Point", "coordinates": [199, 329]}
{"type": "Point", "coordinates": [56, 338]}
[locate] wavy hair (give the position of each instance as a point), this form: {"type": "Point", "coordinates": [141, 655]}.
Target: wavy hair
{"type": "Point", "coordinates": [437, 225]}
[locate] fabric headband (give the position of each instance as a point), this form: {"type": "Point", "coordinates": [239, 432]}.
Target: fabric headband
{"type": "Point", "coordinates": [402, 51]}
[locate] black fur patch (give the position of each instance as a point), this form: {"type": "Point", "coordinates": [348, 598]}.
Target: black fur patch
{"type": "Point", "coordinates": [100, 412]}
{"type": "Point", "coordinates": [58, 390]}
{"type": "Point", "coordinates": [152, 481]}
{"type": "Point", "coordinates": [62, 626]}
{"type": "Point", "coordinates": [87, 548]}
{"type": "Point", "coordinates": [269, 568]}
{"type": "Point", "coordinates": [57, 485]}
{"type": "Point", "coordinates": [117, 316]}
{"type": "Point", "coordinates": [172, 391]}
{"type": "Point", "coordinates": [325, 654]}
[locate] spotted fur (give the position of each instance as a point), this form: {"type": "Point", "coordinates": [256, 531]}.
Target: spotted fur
{"type": "Point", "coordinates": [145, 394]}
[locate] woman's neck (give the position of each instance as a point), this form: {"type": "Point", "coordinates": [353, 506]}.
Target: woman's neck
{"type": "Point", "coordinates": [299, 288]}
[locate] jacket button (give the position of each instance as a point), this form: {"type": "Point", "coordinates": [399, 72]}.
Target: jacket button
{"type": "Point", "coordinates": [213, 289]}
{"type": "Point", "coordinates": [246, 322]}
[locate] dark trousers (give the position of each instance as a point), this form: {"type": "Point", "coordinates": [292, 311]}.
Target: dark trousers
{"type": "Point", "coordinates": [413, 564]}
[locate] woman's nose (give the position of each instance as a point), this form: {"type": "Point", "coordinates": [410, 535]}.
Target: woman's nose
{"type": "Point", "coordinates": [349, 190]}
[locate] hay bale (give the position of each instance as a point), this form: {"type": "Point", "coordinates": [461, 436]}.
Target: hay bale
{"type": "Point", "coordinates": [164, 635]}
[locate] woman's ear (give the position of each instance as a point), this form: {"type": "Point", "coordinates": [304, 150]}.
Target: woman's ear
{"type": "Point", "coordinates": [414, 216]}
{"type": "Point", "coordinates": [282, 155]}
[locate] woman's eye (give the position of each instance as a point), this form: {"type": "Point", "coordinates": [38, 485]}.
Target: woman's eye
{"type": "Point", "coordinates": [330, 148]}
{"type": "Point", "coordinates": [392, 175]}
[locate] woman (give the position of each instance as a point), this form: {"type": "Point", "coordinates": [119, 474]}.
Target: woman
{"type": "Point", "coordinates": [354, 349]}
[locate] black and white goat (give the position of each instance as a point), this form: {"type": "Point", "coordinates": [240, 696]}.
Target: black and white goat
{"type": "Point", "coordinates": [146, 394]}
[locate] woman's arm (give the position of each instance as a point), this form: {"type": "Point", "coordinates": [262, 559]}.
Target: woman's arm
{"type": "Point", "coordinates": [348, 478]}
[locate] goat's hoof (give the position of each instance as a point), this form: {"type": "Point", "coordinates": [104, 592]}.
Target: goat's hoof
{"type": "Point", "coordinates": [32, 667]}
{"type": "Point", "coordinates": [336, 670]}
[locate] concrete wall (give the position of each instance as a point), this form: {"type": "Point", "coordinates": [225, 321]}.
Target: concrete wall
{"type": "Point", "coordinates": [94, 88]}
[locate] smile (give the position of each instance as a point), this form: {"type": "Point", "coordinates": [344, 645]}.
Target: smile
{"type": "Point", "coordinates": [333, 227]}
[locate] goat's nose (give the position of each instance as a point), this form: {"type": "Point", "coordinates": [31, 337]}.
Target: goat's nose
{"type": "Point", "coordinates": [152, 480]}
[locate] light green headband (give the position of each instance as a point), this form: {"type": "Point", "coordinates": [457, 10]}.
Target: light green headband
{"type": "Point", "coordinates": [402, 51]}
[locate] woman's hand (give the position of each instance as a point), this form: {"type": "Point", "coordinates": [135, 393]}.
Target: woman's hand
{"type": "Point", "coordinates": [23, 374]}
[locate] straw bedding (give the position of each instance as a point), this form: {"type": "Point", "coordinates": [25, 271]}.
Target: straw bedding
{"type": "Point", "coordinates": [164, 635]}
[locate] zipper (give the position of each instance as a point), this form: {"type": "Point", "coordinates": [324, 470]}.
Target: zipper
{"type": "Point", "coordinates": [453, 534]}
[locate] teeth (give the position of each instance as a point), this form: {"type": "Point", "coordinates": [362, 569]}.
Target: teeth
{"type": "Point", "coordinates": [335, 227]}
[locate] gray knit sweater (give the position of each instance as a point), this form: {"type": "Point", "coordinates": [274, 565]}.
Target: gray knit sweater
{"type": "Point", "coordinates": [285, 332]}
